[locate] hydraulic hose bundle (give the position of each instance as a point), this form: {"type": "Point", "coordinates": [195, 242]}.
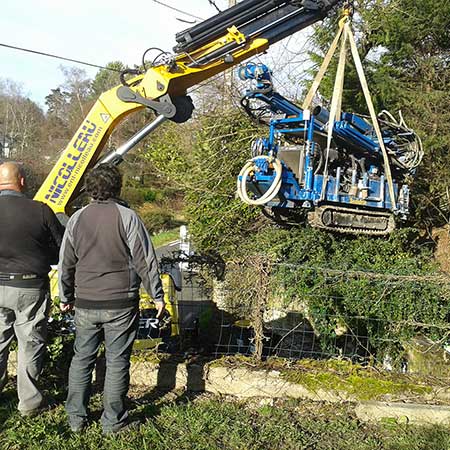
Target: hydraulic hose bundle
{"type": "Point", "coordinates": [246, 171]}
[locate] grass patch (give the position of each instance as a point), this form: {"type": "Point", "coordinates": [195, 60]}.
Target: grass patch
{"type": "Point", "coordinates": [176, 421]}
{"type": "Point", "coordinates": [212, 423]}
{"type": "Point", "coordinates": [165, 237]}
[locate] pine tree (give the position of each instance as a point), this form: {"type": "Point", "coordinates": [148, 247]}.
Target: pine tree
{"type": "Point", "coordinates": [405, 47]}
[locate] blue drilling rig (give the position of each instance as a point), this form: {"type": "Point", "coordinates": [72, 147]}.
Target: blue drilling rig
{"type": "Point", "coordinates": [294, 174]}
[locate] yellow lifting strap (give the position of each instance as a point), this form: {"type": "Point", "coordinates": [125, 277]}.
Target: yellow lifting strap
{"type": "Point", "coordinates": [345, 34]}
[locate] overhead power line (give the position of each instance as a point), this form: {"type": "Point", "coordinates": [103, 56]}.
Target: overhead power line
{"type": "Point", "coordinates": [77, 61]}
{"type": "Point", "coordinates": [176, 9]}
{"type": "Point", "coordinates": [50, 55]}
{"type": "Point", "coordinates": [213, 3]}
{"type": "Point", "coordinates": [190, 22]}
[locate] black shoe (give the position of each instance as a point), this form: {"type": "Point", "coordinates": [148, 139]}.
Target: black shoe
{"type": "Point", "coordinates": [130, 426]}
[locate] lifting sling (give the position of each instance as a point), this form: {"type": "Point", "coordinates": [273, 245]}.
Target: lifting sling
{"type": "Point", "coordinates": [343, 36]}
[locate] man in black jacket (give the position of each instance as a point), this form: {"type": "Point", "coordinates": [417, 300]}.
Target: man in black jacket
{"type": "Point", "coordinates": [29, 234]}
{"type": "Point", "coordinates": [105, 255]}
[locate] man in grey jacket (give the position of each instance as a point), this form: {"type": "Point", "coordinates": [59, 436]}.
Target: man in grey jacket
{"type": "Point", "coordinates": [105, 255]}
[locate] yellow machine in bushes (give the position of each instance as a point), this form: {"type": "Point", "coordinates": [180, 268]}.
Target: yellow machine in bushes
{"type": "Point", "coordinates": [152, 332]}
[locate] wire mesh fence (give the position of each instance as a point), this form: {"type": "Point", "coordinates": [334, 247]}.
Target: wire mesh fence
{"type": "Point", "coordinates": [255, 308]}
{"type": "Point", "coordinates": [392, 321]}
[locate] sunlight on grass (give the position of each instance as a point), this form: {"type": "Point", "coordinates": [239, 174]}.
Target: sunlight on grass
{"type": "Point", "coordinates": [210, 423]}
{"type": "Point", "coordinates": [165, 237]}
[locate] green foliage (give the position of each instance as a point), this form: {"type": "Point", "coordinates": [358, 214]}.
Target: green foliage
{"type": "Point", "coordinates": [59, 345]}
{"type": "Point", "coordinates": [371, 287]}
{"type": "Point", "coordinates": [165, 237]}
{"type": "Point", "coordinates": [59, 353]}
{"type": "Point", "coordinates": [137, 196]}
{"type": "Point", "coordinates": [133, 196]}
{"type": "Point", "coordinates": [217, 218]}
{"type": "Point", "coordinates": [156, 218]}
{"type": "Point", "coordinates": [68, 103]}
{"type": "Point", "coordinates": [150, 195]}
{"type": "Point", "coordinates": [107, 78]}
{"type": "Point", "coordinates": [205, 164]}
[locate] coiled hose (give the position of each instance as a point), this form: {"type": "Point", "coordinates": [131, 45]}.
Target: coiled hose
{"type": "Point", "coordinates": [274, 188]}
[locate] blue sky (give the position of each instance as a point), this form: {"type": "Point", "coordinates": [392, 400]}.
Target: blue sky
{"type": "Point", "coordinates": [97, 31]}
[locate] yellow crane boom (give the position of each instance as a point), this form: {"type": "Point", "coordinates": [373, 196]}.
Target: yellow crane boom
{"type": "Point", "coordinates": [207, 49]}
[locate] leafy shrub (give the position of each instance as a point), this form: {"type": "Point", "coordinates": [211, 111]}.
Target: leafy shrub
{"type": "Point", "coordinates": [133, 196]}
{"type": "Point", "coordinates": [149, 195]}
{"type": "Point", "coordinates": [156, 218]}
{"type": "Point", "coordinates": [137, 196]}
{"type": "Point", "coordinates": [387, 290]}
{"type": "Point", "coordinates": [60, 341]}
{"type": "Point", "coordinates": [203, 163]}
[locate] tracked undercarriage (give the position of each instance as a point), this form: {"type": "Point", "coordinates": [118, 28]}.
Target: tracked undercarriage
{"type": "Point", "coordinates": [352, 220]}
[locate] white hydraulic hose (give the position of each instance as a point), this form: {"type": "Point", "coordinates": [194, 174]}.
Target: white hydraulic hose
{"type": "Point", "coordinates": [274, 188]}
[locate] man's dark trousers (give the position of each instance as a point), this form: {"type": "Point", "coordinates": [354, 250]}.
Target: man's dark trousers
{"type": "Point", "coordinates": [119, 327]}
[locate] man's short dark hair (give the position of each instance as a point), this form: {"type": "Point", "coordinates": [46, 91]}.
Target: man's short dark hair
{"type": "Point", "coordinates": [103, 182]}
